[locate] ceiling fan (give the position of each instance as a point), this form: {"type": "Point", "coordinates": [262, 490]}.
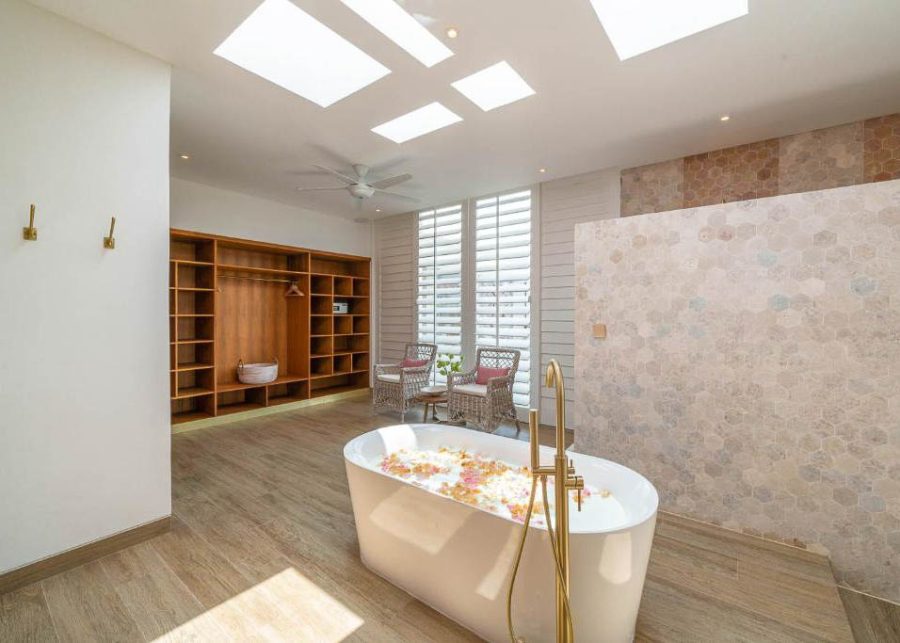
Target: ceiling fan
{"type": "Point", "coordinates": [359, 187]}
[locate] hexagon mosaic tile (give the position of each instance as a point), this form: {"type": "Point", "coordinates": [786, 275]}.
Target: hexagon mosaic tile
{"type": "Point", "coordinates": [731, 174]}
{"type": "Point", "coordinates": [653, 188]}
{"type": "Point", "coordinates": [850, 154]}
{"type": "Point", "coordinates": [752, 367]}
{"type": "Point", "coordinates": [882, 145]}
{"type": "Point", "coordinates": [821, 159]}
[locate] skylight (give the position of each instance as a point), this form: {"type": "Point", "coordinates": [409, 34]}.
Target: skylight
{"type": "Point", "coordinates": [494, 86]}
{"type": "Point", "coordinates": [389, 18]}
{"type": "Point", "coordinates": [418, 122]}
{"type": "Point", "coordinates": [637, 26]}
{"type": "Point", "coordinates": [287, 46]}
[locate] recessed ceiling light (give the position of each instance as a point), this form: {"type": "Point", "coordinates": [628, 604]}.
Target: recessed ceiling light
{"type": "Point", "coordinates": [452, 32]}
{"type": "Point", "coordinates": [637, 26]}
{"type": "Point", "coordinates": [287, 46]}
{"type": "Point", "coordinates": [494, 86]}
{"type": "Point", "coordinates": [393, 21]}
{"type": "Point", "coordinates": [186, 156]}
{"type": "Point", "coordinates": [725, 117]}
{"type": "Point", "coordinates": [543, 170]}
{"type": "Point", "coordinates": [417, 122]}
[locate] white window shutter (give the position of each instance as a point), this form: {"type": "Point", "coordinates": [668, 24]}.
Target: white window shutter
{"type": "Point", "coordinates": [439, 280]}
{"type": "Point", "coordinates": [503, 279]}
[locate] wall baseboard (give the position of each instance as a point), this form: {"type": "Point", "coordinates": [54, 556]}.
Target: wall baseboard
{"type": "Point", "coordinates": [53, 565]}
{"type": "Point", "coordinates": [269, 410]}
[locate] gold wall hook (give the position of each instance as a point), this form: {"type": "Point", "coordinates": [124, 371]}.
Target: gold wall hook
{"type": "Point", "coordinates": [110, 241]}
{"type": "Point", "coordinates": [30, 233]}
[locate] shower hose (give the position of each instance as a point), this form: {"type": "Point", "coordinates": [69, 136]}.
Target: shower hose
{"type": "Point", "coordinates": [513, 637]}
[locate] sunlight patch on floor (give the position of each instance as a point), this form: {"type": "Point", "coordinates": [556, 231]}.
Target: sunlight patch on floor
{"type": "Point", "coordinates": [310, 613]}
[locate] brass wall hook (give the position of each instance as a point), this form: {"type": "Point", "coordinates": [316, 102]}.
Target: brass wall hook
{"type": "Point", "coordinates": [110, 241]}
{"type": "Point", "coordinates": [30, 233]}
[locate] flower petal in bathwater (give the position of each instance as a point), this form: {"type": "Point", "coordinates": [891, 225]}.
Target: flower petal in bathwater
{"type": "Point", "coordinates": [474, 479]}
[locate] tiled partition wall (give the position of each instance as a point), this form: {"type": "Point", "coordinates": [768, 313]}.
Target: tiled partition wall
{"type": "Point", "coordinates": [860, 152]}
{"type": "Point", "coordinates": [752, 367]}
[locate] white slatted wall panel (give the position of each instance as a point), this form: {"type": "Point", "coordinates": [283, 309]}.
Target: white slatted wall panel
{"type": "Point", "coordinates": [439, 280]}
{"type": "Point", "coordinates": [395, 267]}
{"type": "Point", "coordinates": [565, 203]}
{"type": "Point", "coordinates": [503, 280]}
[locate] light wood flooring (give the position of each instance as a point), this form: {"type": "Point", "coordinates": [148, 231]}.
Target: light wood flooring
{"type": "Point", "coordinates": [263, 547]}
{"type": "Point", "coordinates": [871, 619]}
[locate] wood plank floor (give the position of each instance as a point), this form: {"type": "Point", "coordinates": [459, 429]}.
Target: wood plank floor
{"type": "Point", "coordinates": [871, 619]}
{"type": "Point", "coordinates": [263, 547]}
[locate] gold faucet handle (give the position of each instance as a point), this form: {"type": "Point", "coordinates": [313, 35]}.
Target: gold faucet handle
{"type": "Point", "coordinates": [534, 441]}
{"type": "Point", "coordinates": [577, 483]}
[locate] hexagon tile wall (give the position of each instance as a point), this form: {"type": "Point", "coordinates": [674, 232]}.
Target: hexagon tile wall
{"type": "Point", "coordinates": [752, 367]}
{"type": "Point", "coordinates": [861, 152]}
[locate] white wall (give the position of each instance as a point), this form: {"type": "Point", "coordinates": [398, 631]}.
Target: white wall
{"type": "Point", "coordinates": [84, 431]}
{"type": "Point", "coordinates": [204, 208]}
{"type": "Point", "coordinates": [565, 203]}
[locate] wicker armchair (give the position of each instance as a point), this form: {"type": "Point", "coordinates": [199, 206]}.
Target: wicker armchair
{"type": "Point", "coordinates": [397, 387]}
{"type": "Point", "coordinates": [485, 405]}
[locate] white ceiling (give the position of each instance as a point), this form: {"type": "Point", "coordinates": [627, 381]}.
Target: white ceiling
{"type": "Point", "coordinates": [788, 66]}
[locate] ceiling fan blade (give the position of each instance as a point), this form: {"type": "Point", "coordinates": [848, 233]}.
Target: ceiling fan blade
{"type": "Point", "coordinates": [399, 196]}
{"type": "Point", "coordinates": [343, 177]}
{"type": "Point", "coordinates": [394, 180]}
{"type": "Point", "coordinates": [319, 189]}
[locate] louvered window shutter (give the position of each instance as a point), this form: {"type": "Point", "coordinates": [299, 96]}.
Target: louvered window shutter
{"type": "Point", "coordinates": [439, 280]}
{"type": "Point", "coordinates": [503, 279]}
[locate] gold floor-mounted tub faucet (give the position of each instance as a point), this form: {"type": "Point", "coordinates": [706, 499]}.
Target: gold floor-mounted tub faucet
{"type": "Point", "coordinates": [564, 480]}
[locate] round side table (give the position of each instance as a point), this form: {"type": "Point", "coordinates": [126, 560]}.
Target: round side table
{"type": "Point", "coordinates": [432, 396]}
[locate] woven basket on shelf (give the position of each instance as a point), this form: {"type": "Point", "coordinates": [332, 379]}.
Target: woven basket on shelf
{"type": "Point", "coordinates": [260, 373]}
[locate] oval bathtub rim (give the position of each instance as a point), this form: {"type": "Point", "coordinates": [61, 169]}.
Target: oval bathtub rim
{"type": "Point", "coordinates": [642, 518]}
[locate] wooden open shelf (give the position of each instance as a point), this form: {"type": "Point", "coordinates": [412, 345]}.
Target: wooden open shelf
{"type": "Point", "coordinates": [258, 270]}
{"type": "Point", "coordinates": [227, 302]}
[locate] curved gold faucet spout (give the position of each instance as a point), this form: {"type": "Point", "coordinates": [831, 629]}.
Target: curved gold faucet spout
{"type": "Point", "coordinates": [554, 378]}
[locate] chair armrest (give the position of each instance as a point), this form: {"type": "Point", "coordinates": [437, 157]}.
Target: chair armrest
{"type": "Point", "coordinates": [500, 383]}
{"type": "Point", "coordinates": [411, 373]}
{"type": "Point", "coordinates": [455, 379]}
{"type": "Point", "coordinates": [387, 369]}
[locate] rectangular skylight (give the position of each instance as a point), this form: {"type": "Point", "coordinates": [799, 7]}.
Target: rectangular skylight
{"type": "Point", "coordinates": [637, 26]}
{"type": "Point", "coordinates": [494, 86]}
{"type": "Point", "coordinates": [393, 21]}
{"type": "Point", "coordinates": [287, 46]}
{"type": "Point", "coordinates": [418, 122]}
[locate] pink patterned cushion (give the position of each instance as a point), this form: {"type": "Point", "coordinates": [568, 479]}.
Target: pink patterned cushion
{"type": "Point", "coordinates": [483, 374]}
{"type": "Point", "coordinates": [413, 363]}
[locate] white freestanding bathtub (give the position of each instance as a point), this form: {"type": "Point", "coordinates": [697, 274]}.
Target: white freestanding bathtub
{"type": "Point", "coordinates": [458, 558]}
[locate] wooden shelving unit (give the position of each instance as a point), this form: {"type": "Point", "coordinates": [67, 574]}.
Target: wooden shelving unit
{"type": "Point", "coordinates": [227, 301]}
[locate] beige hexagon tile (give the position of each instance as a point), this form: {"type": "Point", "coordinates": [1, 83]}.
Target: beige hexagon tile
{"type": "Point", "coordinates": [652, 188]}
{"type": "Point", "coordinates": [752, 364]}
{"type": "Point", "coordinates": [824, 158]}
